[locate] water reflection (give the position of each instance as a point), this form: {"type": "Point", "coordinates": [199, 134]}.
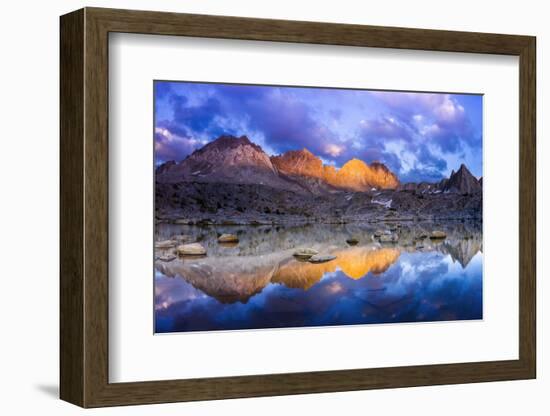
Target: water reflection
{"type": "Point", "coordinates": [257, 283]}
{"type": "Point", "coordinates": [354, 262]}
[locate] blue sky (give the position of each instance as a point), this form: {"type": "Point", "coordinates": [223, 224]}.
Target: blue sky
{"type": "Point", "coordinates": [419, 136]}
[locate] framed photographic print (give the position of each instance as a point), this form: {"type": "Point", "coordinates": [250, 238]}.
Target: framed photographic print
{"type": "Point", "coordinates": [255, 207]}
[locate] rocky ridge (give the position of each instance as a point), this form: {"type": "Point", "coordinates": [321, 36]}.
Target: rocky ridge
{"type": "Point", "coordinates": [230, 159]}
{"type": "Point", "coordinates": [354, 175]}
{"type": "Point", "coordinates": [233, 181]}
{"type": "Point", "coordinates": [459, 182]}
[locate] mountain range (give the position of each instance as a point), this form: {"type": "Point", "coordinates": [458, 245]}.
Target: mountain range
{"type": "Point", "coordinates": [237, 160]}
{"type": "Point", "coordinates": [232, 180]}
{"type": "Point", "coordinates": [231, 159]}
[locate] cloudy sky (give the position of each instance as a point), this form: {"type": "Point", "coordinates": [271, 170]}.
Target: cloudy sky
{"type": "Point", "coordinates": [419, 136]}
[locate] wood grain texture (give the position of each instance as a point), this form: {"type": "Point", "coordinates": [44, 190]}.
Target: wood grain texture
{"type": "Point", "coordinates": [71, 100]}
{"type": "Point", "coordinates": [96, 208]}
{"type": "Point", "coordinates": [226, 27]}
{"type": "Point", "coordinates": [527, 207]}
{"type": "Point", "coordinates": [84, 207]}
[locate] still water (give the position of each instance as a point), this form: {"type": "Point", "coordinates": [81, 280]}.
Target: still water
{"type": "Point", "coordinates": [257, 283]}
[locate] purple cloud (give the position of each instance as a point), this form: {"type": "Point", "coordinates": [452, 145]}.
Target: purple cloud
{"type": "Point", "coordinates": [170, 146]}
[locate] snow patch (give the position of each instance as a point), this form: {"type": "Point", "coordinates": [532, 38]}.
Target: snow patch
{"type": "Point", "coordinates": [385, 204]}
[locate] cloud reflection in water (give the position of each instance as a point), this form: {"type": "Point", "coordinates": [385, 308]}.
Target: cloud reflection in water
{"type": "Point", "coordinates": [365, 285]}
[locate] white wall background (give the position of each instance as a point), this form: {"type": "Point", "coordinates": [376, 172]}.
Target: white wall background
{"type": "Point", "coordinates": [29, 159]}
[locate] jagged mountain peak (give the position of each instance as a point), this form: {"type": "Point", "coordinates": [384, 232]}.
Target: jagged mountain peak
{"type": "Point", "coordinates": [227, 159]}
{"type": "Point", "coordinates": [299, 162]}
{"type": "Point", "coordinates": [379, 166]}
{"type": "Point", "coordinates": [166, 166]}
{"type": "Point", "coordinates": [226, 142]}
{"type": "Point", "coordinates": [237, 159]}
{"type": "Point", "coordinates": [298, 154]}
{"type": "Point", "coordinates": [462, 181]}
{"type": "Point", "coordinates": [354, 167]}
{"type": "Point", "coordinates": [354, 162]}
{"type": "Point", "coordinates": [354, 175]}
{"type": "Point", "coordinates": [357, 175]}
{"type": "Point", "coordinates": [462, 171]}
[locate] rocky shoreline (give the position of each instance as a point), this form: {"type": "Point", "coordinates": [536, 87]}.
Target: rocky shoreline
{"type": "Point", "coordinates": [222, 240]}
{"type": "Point", "coordinates": [228, 204]}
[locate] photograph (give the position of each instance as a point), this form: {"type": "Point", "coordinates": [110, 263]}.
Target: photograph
{"type": "Point", "coordinates": [287, 206]}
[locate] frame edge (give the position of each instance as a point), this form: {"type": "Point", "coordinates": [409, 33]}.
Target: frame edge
{"type": "Point", "coordinates": [71, 290]}
{"type": "Point", "coordinates": [528, 208]}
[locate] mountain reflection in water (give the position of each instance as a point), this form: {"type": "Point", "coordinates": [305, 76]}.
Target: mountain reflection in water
{"type": "Point", "coordinates": [257, 283]}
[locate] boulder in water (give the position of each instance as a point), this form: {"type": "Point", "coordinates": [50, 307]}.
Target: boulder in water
{"type": "Point", "coordinates": [193, 249]}
{"type": "Point", "coordinates": [228, 238]}
{"type": "Point", "coordinates": [321, 258]}
{"type": "Point", "coordinates": [167, 258]}
{"type": "Point", "coordinates": [165, 244]}
{"type": "Point", "coordinates": [305, 253]}
{"type": "Point", "coordinates": [438, 234]}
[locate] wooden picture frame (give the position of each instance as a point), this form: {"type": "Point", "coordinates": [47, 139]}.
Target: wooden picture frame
{"type": "Point", "coordinates": [84, 207]}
